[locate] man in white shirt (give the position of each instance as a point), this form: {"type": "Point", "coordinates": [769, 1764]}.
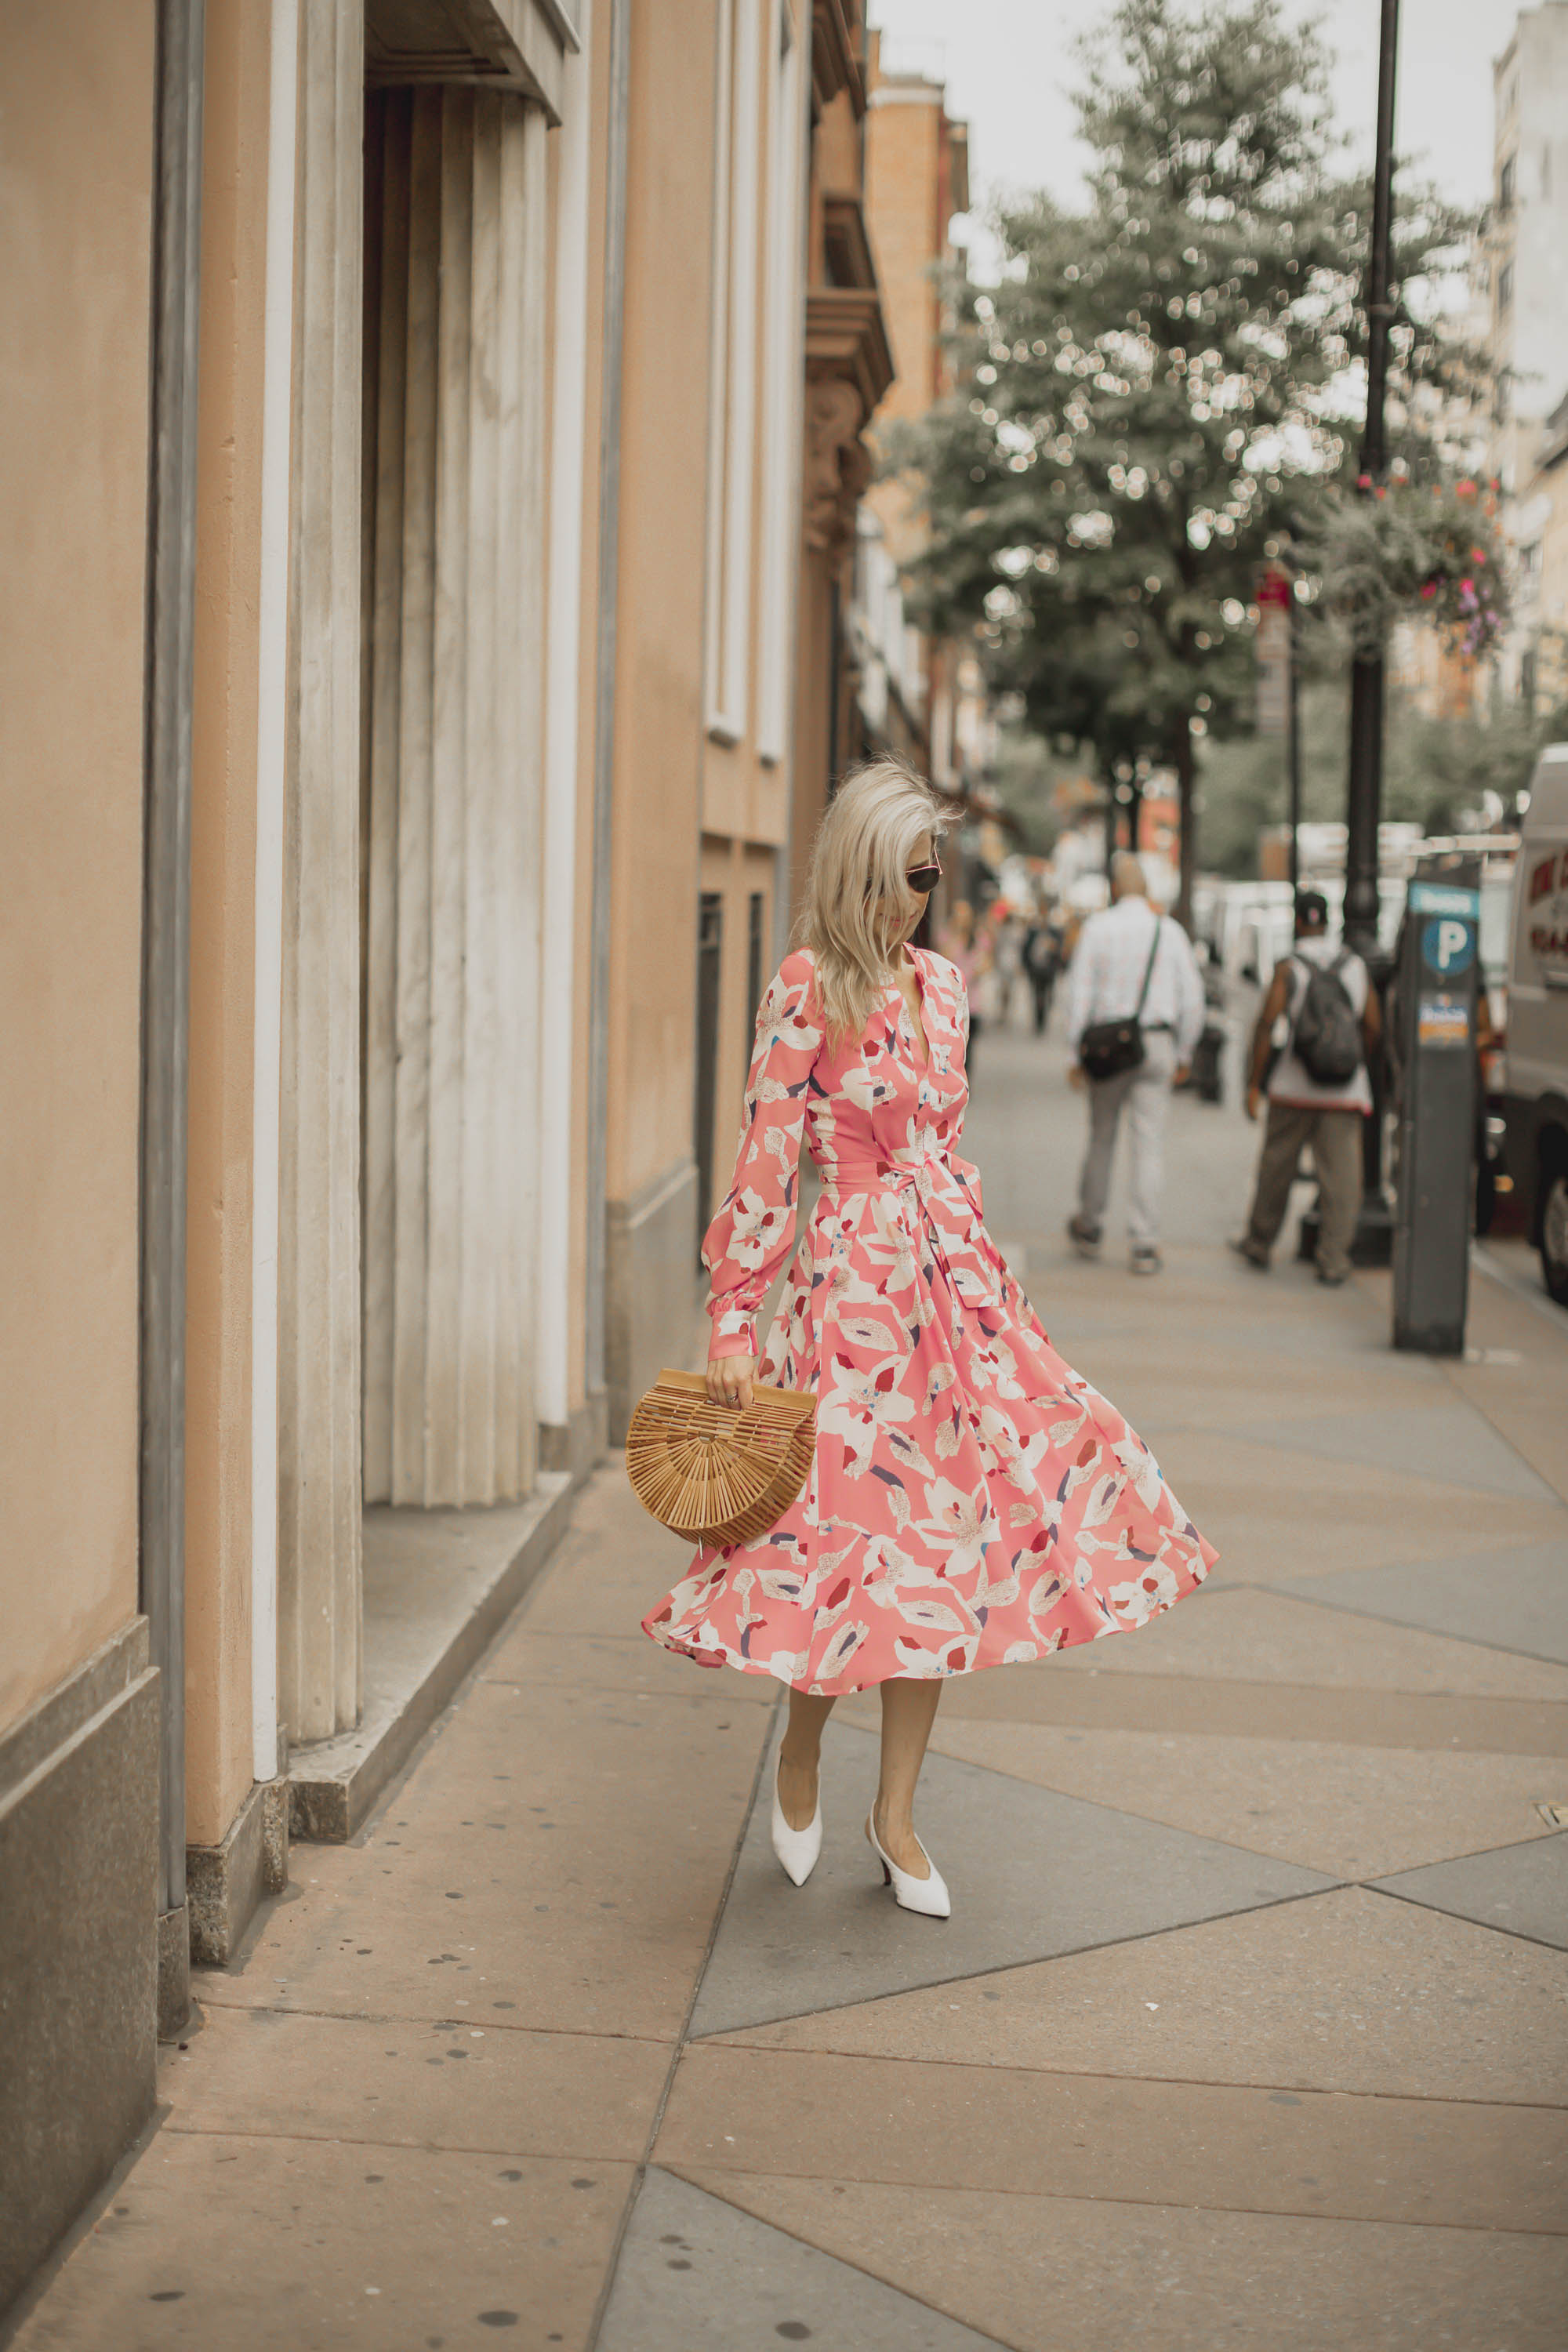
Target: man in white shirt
{"type": "Point", "coordinates": [1122, 954]}
{"type": "Point", "coordinates": [1303, 1109]}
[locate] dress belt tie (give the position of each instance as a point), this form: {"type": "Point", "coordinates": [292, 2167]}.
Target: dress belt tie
{"type": "Point", "coordinates": [917, 1181]}
{"type": "Point", "coordinates": [918, 1176]}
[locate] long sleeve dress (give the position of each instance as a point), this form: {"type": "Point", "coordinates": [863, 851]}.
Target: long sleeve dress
{"type": "Point", "coordinates": [973, 1502]}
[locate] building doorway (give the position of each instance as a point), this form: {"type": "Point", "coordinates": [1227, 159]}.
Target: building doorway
{"type": "Point", "coordinates": [454, 552]}
{"type": "Point", "coordinates": [709, 978]}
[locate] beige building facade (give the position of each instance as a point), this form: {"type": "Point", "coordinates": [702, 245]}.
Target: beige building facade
{"type": "Point", "coordinates": [78, 1699]}
{"type": "Point", "coordinates": [415, 720]}
{"type": "Point", "coordinates": [907, 684]}
{"type": "Point", "coordinates": [919, 697]}
{"type": "Point", "coordinates": [1549, 569]}
{"type": "Point", "coordinates": [1526, 260]}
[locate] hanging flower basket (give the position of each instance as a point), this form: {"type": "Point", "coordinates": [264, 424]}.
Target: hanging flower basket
{"type": "Point", "coordinates": [1411, 552]}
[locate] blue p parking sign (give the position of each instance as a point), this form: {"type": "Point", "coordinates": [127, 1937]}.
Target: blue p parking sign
{"type": "Point", "coordinates": [1447, 945]}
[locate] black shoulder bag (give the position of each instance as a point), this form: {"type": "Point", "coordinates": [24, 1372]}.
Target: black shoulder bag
{"type": "Point", "coordinates": [1107, 1049]}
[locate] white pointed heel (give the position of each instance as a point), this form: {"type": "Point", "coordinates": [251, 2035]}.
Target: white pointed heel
{"type": "Point", "coordinates": [929, 1896]}
{"type": "Point", "coordinates": [797, 1849]}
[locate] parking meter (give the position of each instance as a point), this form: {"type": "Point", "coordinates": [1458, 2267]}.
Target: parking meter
{"type": "Point", "coordinates": [1435, 1058]}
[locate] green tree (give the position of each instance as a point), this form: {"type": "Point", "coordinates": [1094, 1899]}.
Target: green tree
{"type": "Point", "coordinates": [1243, 788]}
{"type": "Point", "coordinates": [1435, 771]}
{"type": "Point", "coordinates": [1155, 388]}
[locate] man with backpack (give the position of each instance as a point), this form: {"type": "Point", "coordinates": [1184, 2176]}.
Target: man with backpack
{"type": "Point", "coordinates": [1318, 1026]}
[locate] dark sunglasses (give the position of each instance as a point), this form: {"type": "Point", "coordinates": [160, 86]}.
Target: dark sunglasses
{"type": "Point", "coordinates": [923, 878]}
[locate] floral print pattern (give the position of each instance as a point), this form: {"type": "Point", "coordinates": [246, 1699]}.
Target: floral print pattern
{"type": "Point", "coordinates": [971, 1502]}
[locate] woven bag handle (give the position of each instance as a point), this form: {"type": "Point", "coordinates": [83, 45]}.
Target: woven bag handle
{"type": "Point", "coordinates": [790, 1404]}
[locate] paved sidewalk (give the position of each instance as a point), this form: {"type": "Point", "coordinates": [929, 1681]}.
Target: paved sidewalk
{"type": "Point", "coordinates": [1250, 2027]}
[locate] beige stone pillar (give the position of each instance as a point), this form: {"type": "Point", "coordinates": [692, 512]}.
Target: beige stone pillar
{"type": "Point", "coordinates": [455, 819]}
{"type": "Point", "coordinates": [318, 1225]}
{"type": "Point", "coordinates": [218, 1273]}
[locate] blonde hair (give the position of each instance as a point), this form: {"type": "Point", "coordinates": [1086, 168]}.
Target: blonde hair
{"type": "Point", "coordinates": [863, 846]}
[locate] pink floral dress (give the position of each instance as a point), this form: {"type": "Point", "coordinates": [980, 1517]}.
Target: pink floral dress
{"type": "Point", "coordinates": [971, 1502]}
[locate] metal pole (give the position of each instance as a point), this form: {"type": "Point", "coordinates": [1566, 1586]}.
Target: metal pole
{"type": "Point", "coordinates": [1365, 786]}
{"type": "Point", "coordinates": [165, 944]}
{"type": "Point", "coordinates": [1374, 1229]}
{"type": "Point", "coordinates": [1293, 739]}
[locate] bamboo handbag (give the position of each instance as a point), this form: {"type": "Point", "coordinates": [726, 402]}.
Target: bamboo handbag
{"type": "Point", "coordinates": [715, 1474]}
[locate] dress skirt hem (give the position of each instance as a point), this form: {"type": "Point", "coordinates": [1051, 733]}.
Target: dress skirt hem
{"type": "Point", "coordinates": [1062, 1637]}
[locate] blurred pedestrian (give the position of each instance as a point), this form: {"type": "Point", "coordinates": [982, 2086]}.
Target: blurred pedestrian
{"type": "Point", "coordinates": [1135, 1010]}
{"type": "Point", "coordinates": [1318, 1026]}
{"type": "Point", "coordinates": [1007, 957]}
{"type": "Point", "coordinates": [1042, 963]}
{"type": "Point", "coordinates": [958, 939]}
{"type": "Point", "coordinates": [964, 944]}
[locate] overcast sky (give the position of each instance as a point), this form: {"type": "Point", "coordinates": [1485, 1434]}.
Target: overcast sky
{"type": "Point", "coordinates": [1009, 69]}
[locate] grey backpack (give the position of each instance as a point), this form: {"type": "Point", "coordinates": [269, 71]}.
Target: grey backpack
{"type": "Point", "coordinates": [1326, 1036]}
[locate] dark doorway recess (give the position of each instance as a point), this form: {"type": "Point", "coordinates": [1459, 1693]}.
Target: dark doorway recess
{"type": "Point", "coordinates": [754, 967]}
{"type": "Point", "coordinates": [709, 963]}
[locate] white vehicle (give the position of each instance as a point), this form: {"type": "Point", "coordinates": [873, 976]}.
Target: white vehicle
{"type": "Point", "coordinates": [1253, 925]}
{"type": "Point", "coordinates": [1247, 924]}
{"type": "Point", "coordinates": [1535, 1101]}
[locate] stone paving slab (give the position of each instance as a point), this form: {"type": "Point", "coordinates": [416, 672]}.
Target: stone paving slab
{"type": "Point", "coordinates": [821, 2117]}
{"type": "Point", "coordinates": [1282, 1517]}
{"type": "Point", "coordinates": [1165, 1392]}
{"type": "Point", "coordinates": [1258, 1634]}
{"type": "Point", "coordinates": [619, 1662]}
{"type": "Point", "coordinates": [698, 2275]}
{"type": "Point", "coordinates": [1347, 1811]}
{"type": "Point", "coordinates": [1042, 1694]}
{"type": "Point", "coordinates": [1055, 2274]}
{"type": "Point", "coordinates": [460, 2081]}
{"type": "Point", "coordinates": [1524, 1891]}
{"type": "Point", "coordinates": [1506, 1596]}
{"type": "Point", "coordinates": [221, 2242]}
{"type": "Point", "coordinates": [1506, 1373]}
{"type": "Point", "coordinates": [561, 1852]}
{"type": "Point", "coordinates": [1350, 1990]}
{"type": "Point", "coordinates": [1445, 1443]}
{"type": "Point", "coordinates": [438, 1587]}
{"type": "Point", "coordinates": [1032, 1875]}
{"type": "Point", "coordinates": [611, 1569]}
{"type": "Point", "coordinates": [1287, 1326]}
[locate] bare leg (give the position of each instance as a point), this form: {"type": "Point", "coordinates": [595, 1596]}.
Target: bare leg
{"type": "Point", "coordinates": [799, 1754]}
{"type": "Point", "coordinates": [908, 1710]}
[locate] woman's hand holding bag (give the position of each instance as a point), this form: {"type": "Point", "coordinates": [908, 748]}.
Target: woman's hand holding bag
{"type": "Point", "coordinates": [717, 1474]}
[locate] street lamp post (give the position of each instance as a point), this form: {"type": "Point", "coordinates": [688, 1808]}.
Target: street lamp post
{"type": "Point", "coordinates": [1293, 741]}
{"type": "Point", "coordinates": [1374, 1229]}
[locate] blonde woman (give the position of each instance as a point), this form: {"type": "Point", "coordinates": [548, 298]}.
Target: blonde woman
{"type": "Point", "coordinates": [973, 1502]}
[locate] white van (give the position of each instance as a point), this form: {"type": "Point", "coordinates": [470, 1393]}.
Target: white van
{"type": "Point", "coordinates": [1535, 1102]}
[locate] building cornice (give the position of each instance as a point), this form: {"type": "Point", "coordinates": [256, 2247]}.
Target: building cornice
{"type": "Point", "coordinates": [958, 164]}
{"type": "Point", "coordinates": [509, 44]}
{"type": "Point", "coordinates": [846, 336]}
{"type": "Point", "coordinates": [836, 55]}
{"type": "Point", "coordinates": [848, 367]}
{"type": "Point", "coordinates": [846, 242]}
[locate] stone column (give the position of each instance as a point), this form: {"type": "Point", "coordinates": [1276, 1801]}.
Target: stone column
{"type": "Point", "coordinates": [455, 816]}
{"type": "Point", "coordinates": [318, 1225]}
